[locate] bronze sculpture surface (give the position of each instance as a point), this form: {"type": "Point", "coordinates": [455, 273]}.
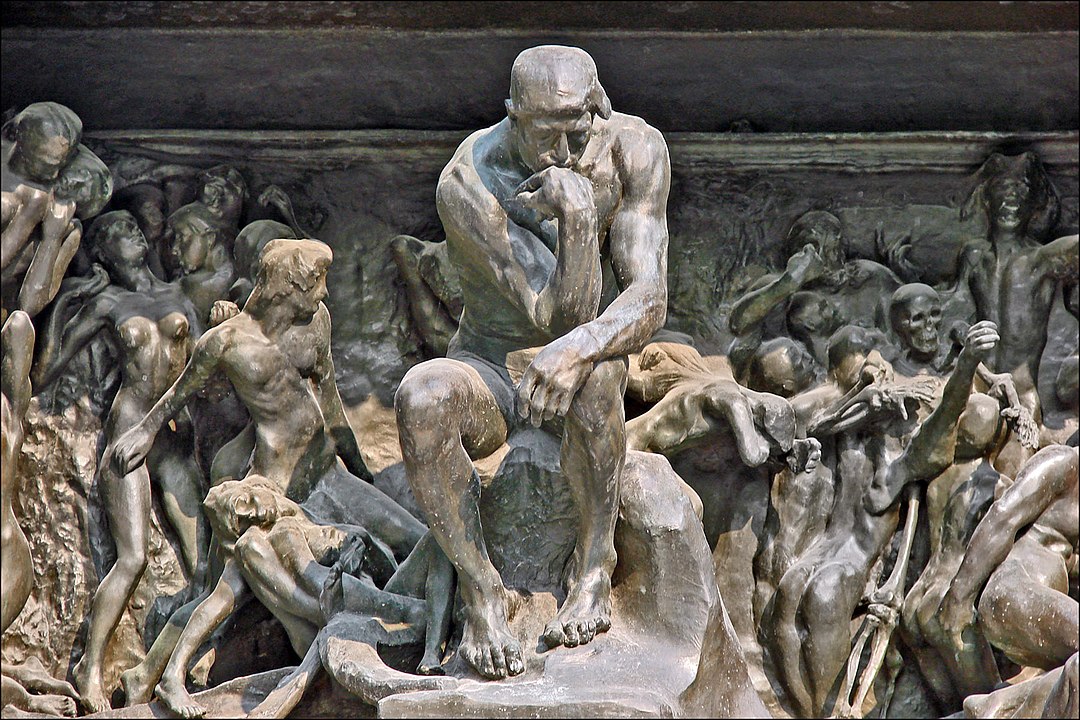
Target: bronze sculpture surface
{"type": "Point", "coordinates": [579, 412]}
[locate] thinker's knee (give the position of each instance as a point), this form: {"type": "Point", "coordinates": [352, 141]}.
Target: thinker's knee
{"type": "Point", "coordinates": [430, 392]}
{"type": "Point", "coordinates": [601, 397]}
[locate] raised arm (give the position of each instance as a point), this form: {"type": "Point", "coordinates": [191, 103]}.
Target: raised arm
{"type": "Point", "coordinates": [933, 446]}
{"type": "Point", "coordinates": [482, 236]}
{"type": "Point", "coordinates": [1058, 259]}
{"type": "Point", "coordinates": [337, 423]}
{"type": "Point", "coordinates": [752, 308]}
{"type": "Point", "coordinates": [129, 451]}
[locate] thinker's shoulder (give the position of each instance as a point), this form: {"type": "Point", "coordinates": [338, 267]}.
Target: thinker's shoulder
{"type": "Point", "coordinates": [633, 133]}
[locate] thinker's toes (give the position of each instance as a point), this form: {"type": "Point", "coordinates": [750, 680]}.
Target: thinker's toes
{"type": "Point", "coordinates": [571, 632]}
{"type": "Point", "coordinates": [498, 661]}
{"type": "Point", "coordinates": [515, 664]}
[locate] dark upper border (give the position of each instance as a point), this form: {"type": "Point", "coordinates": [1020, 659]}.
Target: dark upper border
{"type": "Point", "coordinates": [1020, 17]}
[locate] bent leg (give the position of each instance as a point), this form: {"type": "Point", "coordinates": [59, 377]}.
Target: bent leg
{"type": "Point", "coordinates": [181, 484]}
{"type": "Point", "coordinates": [591, 461]}
{"type": "Point", "coordinates": [210, 613]}
{"type": "Point", "coordinates": [444, 412]}
{"type": "Point", "coordinates": [1032, 623]}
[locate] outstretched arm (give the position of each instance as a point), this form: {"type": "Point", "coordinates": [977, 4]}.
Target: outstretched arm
{"type": "Point", "coordinates": [932, 448]}
{"type": "Point", "coordinates": [753, 307]}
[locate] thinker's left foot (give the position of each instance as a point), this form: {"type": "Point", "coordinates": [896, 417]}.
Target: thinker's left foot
{"type": "Point", "coordinates": [586, 612]}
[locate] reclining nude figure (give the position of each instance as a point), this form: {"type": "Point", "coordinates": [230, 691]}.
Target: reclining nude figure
{"type": "Point", "coordinates": [529, 206]}
{"type": "Point", "coordinates": [695, 397]}
{"type": "Point", "coordinates": [297, 569]}
{"type": "Point", "coordinates": [276, 353]}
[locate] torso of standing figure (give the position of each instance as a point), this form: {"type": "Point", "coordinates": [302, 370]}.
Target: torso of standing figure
{"type": "Point", "coordinates": [1009, 289]}
{"type": "Point", "coordinates": [272, 376]}
{"type": "Point", "coordinates": [155, 351]}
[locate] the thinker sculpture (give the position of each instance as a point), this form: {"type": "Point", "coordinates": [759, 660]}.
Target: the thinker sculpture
{"type": "Point", "coordinates": [529, 206]}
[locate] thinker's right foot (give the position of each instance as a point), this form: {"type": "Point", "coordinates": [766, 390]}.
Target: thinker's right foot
{"type": "Point", "coordinates": [175, 697]}
{"type": "Point", "coordinates": [91, 693]}
{"type": "Point", "coordinates": [487, 644]}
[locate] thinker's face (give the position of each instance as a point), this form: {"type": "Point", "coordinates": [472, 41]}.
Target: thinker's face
{"type": "Point", "coordinates": [918, 327]}
{"type": "Point", "coordinates": [545, 140]}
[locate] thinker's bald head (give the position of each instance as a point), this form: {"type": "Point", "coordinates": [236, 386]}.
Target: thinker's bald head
{"type": "Point", "coordinates": [556, 80]}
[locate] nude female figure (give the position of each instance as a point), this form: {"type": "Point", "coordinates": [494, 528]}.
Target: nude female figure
{"type": "Point", "coordinates": [50, 696]}
{"type": "Point", "coordinates": [276, 354]}
{"type": "Point", "coordinates": [152, 324]}
{"type": "Point", "coordinates": [808, 628]}
{"type": "Point", "coordinates": [200, 250]}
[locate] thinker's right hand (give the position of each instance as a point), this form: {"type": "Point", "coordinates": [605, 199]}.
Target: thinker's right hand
{"type": "Point", "coordinates": [558, 192]}
{"type": "Point", "coordinates": [131, 449]}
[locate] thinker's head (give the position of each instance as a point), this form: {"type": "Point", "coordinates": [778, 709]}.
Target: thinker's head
{"type": "Point", "coordinates": [45, 138]}
{"type": "Point", "coordinates": [915, 316]}
{"type": "Point", "coordinates": [554, 97]}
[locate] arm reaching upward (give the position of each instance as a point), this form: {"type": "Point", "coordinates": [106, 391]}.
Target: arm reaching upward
{"type": "Point", "coordinates": [931, 449]}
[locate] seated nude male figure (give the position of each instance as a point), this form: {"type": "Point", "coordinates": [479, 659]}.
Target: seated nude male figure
{"type": "Point", "coordinates": [529, 206]}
